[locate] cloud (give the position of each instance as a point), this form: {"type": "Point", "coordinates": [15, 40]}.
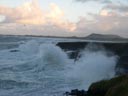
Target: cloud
{"type": "Point", "coordinates": [112, 19]}
{"type": "Point", "coordinates": [117, 7]}
{"type": "Point", "coordinates": [106, 22]}
{"type": "Point", "coordinates": [45, 30]}
{"type": "Point", "coordinates": [31, 13]}
{"type": "Point", "coordinates": [28, 13]}
{"type": "Point", "coordinates": [102, 1]}
{"type": "Point", "coordinates": [56, 17]}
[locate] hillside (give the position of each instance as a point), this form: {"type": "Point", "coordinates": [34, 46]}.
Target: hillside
{"type": "Point", "coordinates": [105, 37]}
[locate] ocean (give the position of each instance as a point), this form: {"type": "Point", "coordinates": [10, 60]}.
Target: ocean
{"type": "Point", "coordinates": [37, 66]}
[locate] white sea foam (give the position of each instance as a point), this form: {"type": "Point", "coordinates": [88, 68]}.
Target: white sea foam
{"type": "Point", "coordinates": [49, 67]}
{"type": "Point", "coordinates": [94, 64]}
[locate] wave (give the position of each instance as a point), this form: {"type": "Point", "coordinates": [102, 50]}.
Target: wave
{"type": "Point", "coordinates": [30, 59]}
{"type": "Point", "coordinates": [94, 64]}
{"type": "Point", "coordinates": [49, 65]}
{"type": "Point", "coordinates": [11, 84]}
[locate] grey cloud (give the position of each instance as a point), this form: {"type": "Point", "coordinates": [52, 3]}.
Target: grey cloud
{"type": "Point", "coordinates": [102, 1]}
{"type": "Point", "coordinates": [113, 24]}
{"type": "Point", "coordinates": [119, 7]}
{"type": "Point", "coordinates": [31, 13]}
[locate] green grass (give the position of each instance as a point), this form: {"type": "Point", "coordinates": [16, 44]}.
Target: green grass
{"type": "Point", "coordinates": [117, 86]}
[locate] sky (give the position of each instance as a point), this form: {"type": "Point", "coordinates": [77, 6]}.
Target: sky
{"type": "Point", "coordinates": [64, 17]}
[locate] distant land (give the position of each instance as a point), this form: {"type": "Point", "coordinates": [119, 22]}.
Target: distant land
{"type": "Point", "coordinates": [105, 37]}
{"type": "Point", "coordinates": [93, 36]}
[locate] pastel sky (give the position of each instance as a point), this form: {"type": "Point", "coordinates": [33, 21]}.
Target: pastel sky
{"type": "Point", "coordinates": [64, 17]}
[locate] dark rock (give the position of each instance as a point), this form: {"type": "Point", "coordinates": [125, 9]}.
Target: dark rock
{"type": "Point", "coordinates": [122, 65]}
{"type": "Point", "coordinates": [76, 92]}
{"type": "Point", "coordinates": [14, 50]}
{"type": "Point", "coordinates": [117, 86]}
{"type": "Point", "coordinates": [74, 54]}
{"type": "Point", "coordinates": [119, 49]}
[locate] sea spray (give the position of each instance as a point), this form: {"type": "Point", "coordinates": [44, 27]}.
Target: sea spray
{"type": "Point", "coordinates": [53, 54]}
{"type": "Point", "coordinates": [49, 71]}
{"type": "Point", "coordinates": [94, 64]}
{"type": "Point", "coordinates": [33, 60]}
{"type": "Point", "coordinates": [29, 48]}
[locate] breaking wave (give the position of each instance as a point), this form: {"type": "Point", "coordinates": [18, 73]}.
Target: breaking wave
{"type": "Point", "coordinates": [94, 64]}
{"type": "Point", "coordinates": [48, 70]}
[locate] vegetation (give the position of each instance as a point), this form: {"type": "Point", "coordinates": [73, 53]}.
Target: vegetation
{"type": "Point", "coordinates": [115, 87]}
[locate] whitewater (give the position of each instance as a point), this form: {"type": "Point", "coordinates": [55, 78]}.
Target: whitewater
{"type": "Point", "coordinates": [38, 67]}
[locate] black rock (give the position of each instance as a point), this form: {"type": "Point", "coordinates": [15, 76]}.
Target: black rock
{"type": "Point", "coordinates": [76, 92]}
{"type": "Point", "coordinates": [122, 65]}
{"type": "Point", "coordinates": [14, 50]}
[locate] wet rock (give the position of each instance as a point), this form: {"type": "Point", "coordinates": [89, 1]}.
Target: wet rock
{"type": "Point", "coordinates": [76, 92]}
{"type": "Point", "coordinates": [14, 50]}
{"type": "Point", "coordinates": [122, 65]}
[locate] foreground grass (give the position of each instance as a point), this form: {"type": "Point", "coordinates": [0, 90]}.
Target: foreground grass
{"type": "Point", "coordinates": [117, 86]}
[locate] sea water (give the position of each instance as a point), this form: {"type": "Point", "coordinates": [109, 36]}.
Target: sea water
{"type": "Point", "coordinates": [38, 67]}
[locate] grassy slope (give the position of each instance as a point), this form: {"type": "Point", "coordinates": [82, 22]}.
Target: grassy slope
{"type": "Point", "coordinates": [115, 87]}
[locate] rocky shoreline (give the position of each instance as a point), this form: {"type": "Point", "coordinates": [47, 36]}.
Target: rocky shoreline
{"type": "Point", "coordinates": [117, 86]}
